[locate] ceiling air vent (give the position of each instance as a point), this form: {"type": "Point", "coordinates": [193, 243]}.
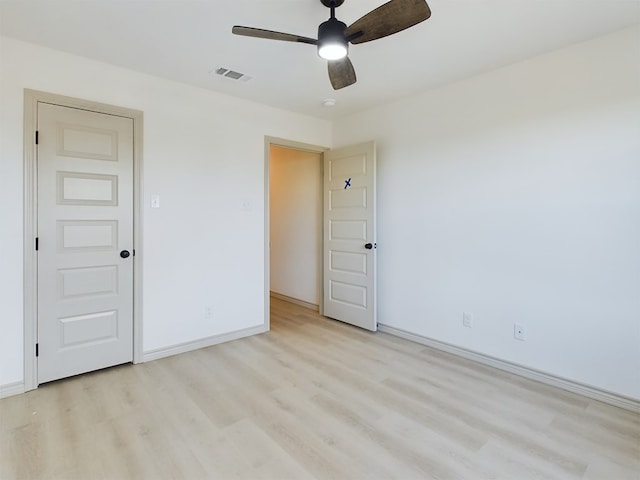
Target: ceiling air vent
{"type": "Point", "coordinates": [231, 74]}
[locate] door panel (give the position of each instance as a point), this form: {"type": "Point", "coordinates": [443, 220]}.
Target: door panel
{"type": "Point", "coordinates": [349, 216]}
{"type": "Point", "coordinates": [87, 189]}
{"type": "Point", "coordinates": [87, 282]}
{"type": "Point", "coordinates": [85, 218]}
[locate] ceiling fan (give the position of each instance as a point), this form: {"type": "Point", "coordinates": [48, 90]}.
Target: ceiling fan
{"type": "Point", "coordinates": [334, 36]}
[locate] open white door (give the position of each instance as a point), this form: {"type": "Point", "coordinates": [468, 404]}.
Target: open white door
{"type": "Point", "coordinates": [349, 235]}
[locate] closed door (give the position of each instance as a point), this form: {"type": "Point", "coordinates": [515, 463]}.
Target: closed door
{"type": "Point", "coordinates": [349, 235]}
{"type": "Point", "coordinates": [85, 241]}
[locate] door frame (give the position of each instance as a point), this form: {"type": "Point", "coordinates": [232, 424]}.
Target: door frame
{"type": "Point", "coordinates": [30, 172]}
{"type": "Point", "coordinates": [306, 147]}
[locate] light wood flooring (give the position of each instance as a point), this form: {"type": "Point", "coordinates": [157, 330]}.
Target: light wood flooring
{"type": "Point", "coordinates": [313, 398]}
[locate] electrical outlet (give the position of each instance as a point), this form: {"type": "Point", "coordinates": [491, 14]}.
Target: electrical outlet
{"type": "Point", "coordinates": [518, 331]}
{"type": "Point", "coordinates": [467, 319]}
{"type": "Point", "coordinates": [208, 311]}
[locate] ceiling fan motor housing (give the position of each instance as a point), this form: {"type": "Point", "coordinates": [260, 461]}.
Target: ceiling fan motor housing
{"type": "Point", "coordinates": [331, 32]}
{"type": "Point", "coordinates": [328, 3]}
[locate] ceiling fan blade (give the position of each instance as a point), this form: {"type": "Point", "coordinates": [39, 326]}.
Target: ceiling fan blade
{"type": "Point", "coordinates": [341, 73]}
{"type": "Point", "coordinates": [271, 35]}
{"type": "Point", "coordinates": [390, 18]}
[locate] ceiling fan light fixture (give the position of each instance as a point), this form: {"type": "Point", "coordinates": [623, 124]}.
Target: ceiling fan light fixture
{"type": "Point", "coordinates": [332, 51]}
{"type": "Point", "coordinates": [332, 44]}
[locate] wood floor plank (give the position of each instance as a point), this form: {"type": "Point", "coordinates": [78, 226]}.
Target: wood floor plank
{"type": "Point", "coordinates": [313, 399]}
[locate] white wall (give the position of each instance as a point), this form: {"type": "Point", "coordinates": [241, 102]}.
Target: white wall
{"type": "Point", "coordinates": [515, 195]}
{"type": "Point", "coordinates": [296, 223]}
{"type": "Point", "coordinates": [203, 154]}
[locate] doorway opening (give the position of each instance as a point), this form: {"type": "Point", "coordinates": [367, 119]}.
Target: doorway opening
{"type": "Point", "coordinates": [294, 226]}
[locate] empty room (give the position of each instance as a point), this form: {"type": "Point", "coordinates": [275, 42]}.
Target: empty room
{"type": "Point", "coordinates": [324, 239]}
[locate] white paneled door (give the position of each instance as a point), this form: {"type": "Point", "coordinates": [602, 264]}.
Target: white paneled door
{"type": "Point", "coordinates": [85, 241]}
{"type": "Point", "coordinates": [349, 235]}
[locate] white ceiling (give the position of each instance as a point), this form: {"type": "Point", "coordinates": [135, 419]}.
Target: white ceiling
{"type": "Point", "coordinates": [184, 40]}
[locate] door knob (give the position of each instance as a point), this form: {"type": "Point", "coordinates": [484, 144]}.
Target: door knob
{"type": "Point", "coordinates": [124, 253]}
{"type": "Point", "coordinates": [368, 246]}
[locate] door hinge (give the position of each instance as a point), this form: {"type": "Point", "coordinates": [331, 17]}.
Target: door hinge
{"type": "Point", "coordinates": [36, 137]}
{"type": "Point", "coordinates": [37, 349]}
{"type": "Point", "coordinates": [37, 243]}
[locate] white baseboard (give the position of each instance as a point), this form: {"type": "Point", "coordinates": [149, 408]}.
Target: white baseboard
{"type": "Point", "coordinates": [10, 389]}
{"type": "Point", "coordinates": [588, 391]}
{"type": "Point", "coordinates": [302, 303]}
{"type": "Point", "coordinates": [201, 343]}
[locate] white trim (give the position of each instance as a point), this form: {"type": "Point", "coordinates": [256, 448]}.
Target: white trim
{"type": "Point", "coordinates": [10, 389]}
{"type": "Point", "coordinates": [295, 301]}
{"type": "Point", "coordinates": [267, 233]}
{"type": "Point", "coordinates": [202, 343]}
{"type": "Point", "coordinates": [30, 215]}
{"type": "Point", "coordinates": [588, 391]}
{"type": "Point", "coordinates": [31, 100]}
{"type": "Point", "coordinates": [305, 147]}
